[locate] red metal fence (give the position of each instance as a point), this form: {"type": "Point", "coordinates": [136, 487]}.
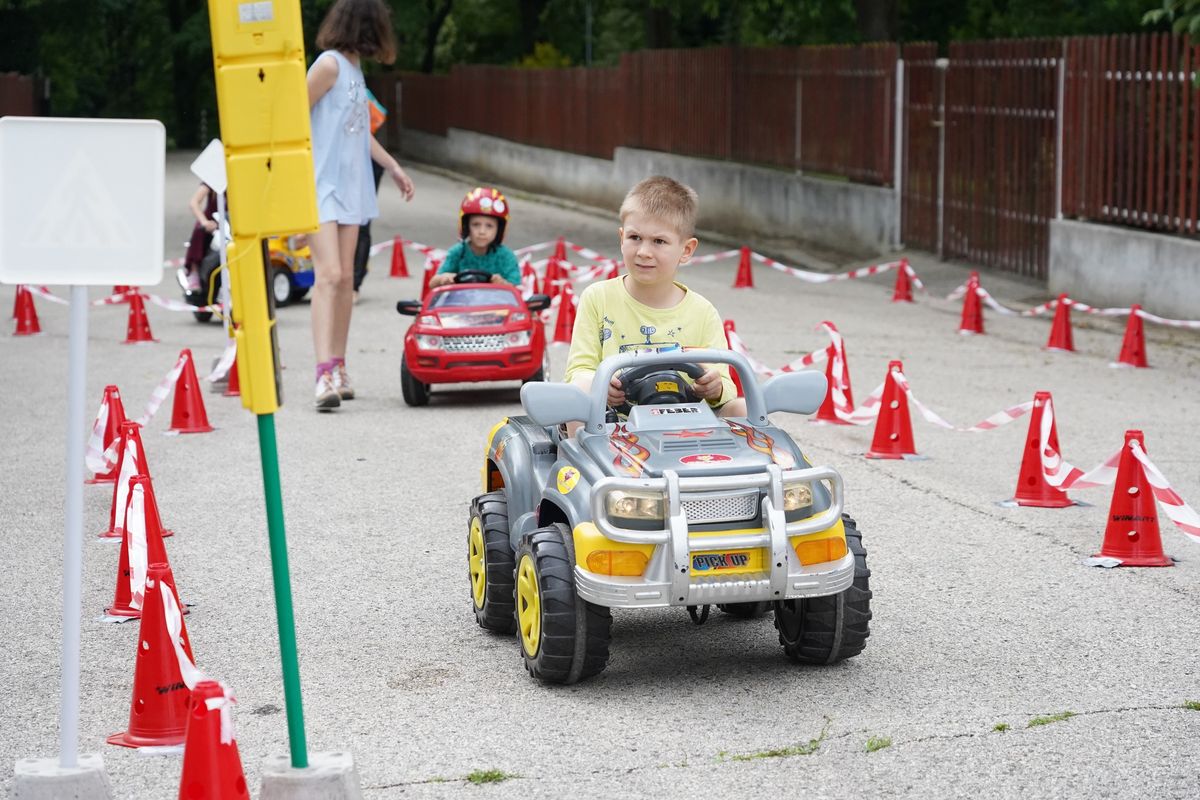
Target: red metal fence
{"type": "Point", "coordinates": [1132, 131]}
{"type": "Point", "coordinates": [21, 95]}
{"type": "Point", "coordinates": [727, 103]}
{"type": "Point", "coordinates": [998, 193]}
{"type": "Point", "coordinates": [980, 159]}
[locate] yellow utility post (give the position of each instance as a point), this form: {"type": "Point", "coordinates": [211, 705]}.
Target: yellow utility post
{"type": "Point", "coordinates": [262, 97]}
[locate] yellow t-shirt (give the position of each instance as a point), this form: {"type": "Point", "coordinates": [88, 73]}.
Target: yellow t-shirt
{"type": "Point", "coordinates": [609, 321]}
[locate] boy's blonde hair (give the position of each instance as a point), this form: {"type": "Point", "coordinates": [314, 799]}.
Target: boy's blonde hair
{"type": "Point", "coordinates": [664, 198]}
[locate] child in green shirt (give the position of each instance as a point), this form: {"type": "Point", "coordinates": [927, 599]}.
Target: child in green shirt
{"type": "Point", "coordinates": [646, 308]}
{"type": "Point", "coordinates": [482, 218]}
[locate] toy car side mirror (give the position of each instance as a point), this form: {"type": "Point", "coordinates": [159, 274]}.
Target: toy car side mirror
{"type": "Point", "coordinates": [538, 302]}
{"type": "Point", "coordinates": [549, 404]}
{"type": "Point", "coordinates": [797, 392]}
{"type": "Point", "coordinates": [409, 308]}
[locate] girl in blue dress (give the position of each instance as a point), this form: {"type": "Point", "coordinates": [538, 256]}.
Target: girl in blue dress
{"type": "Point", "coordinates": [343, 149]}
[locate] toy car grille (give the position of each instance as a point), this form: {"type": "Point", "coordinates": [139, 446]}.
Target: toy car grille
{"type": "Point", "coordinates": [482, 343]}
{"type": "Point", "coordinates": [727, 508]}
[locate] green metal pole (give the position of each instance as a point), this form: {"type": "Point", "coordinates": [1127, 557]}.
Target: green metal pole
{"type": "Point", "coordinates": [283, 590]}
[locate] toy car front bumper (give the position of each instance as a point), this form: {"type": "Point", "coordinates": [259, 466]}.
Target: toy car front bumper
{"type": "Point", "coordinates": [436, 366]}
{"type": "Point", "coordinates": [817, 580]}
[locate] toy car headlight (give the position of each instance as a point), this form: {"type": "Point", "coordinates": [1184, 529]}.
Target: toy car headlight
{"type": "Point", "coordinates": [797, 496]}
{"type": "Point", "coordinates": [519, 316]}
{"type": "Point", "coordinates": [636, 506]}
{"type": "Point", "coordinates": [517, 339]}
{"type": "Point", "coordinates": [427, 342]}
{"type": "Point", "coordinates": [430, 320]}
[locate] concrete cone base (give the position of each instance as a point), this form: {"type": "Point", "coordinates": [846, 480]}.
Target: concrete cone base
{"type": "Point", "coordinates": [328, 776]}
{"type": "Point", "coordinates": [44, 779]}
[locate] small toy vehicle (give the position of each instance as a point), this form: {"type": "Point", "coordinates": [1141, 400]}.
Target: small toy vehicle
{"type": "Point", "coordinates": [291, 275]}
{"type": "Point", "coordinates": [672, 507]}
{"type": "Point", "coordinates": [469, 331]}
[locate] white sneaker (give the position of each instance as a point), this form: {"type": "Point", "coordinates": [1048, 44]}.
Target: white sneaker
{"type": "Point", "coordinates": [341, 383]}
{"type": "Point", "coordinates": [327, 397]}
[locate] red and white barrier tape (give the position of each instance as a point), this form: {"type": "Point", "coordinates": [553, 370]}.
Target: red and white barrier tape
{"type": "Point", "coordinates": [1179, 512]}
{"type": "Point", "coordinates": [174, 617]}
{"type": "Point", "coordinates": [1064, 475]}
{"type": "Point", "coordinates": [533, 248]}
{"type": "Point", "coordinates": [139, 554]}
{"type": "Point", "coordinates": [94, 457]}
{"type": "Point", "coordinates": [178, 305]}
{"type": "Point", "coordinates": [739, 346]}
{"type": "Point", "coordinates": [426, 250]}
{"type": "Point", "coordinates": [162, 390]}
{"type": "Point", "coordinates": [1173, 323]}
{"type": "Point", "coordinates": [226, 361]}
{"type": "Point", "coordinates": [1051, 305]}
{"type": "Point", "coordinates": [45, 294]}
{"type": "Point", "coordinates": [129, 468]}
{"type": "Point", "coordinates": [822, 277]}
{"type": "Point", "coordinates": [721, 256]}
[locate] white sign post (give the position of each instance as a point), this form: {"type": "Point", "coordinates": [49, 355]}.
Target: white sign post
{"type": "Point", "coordinates": [81, 204]}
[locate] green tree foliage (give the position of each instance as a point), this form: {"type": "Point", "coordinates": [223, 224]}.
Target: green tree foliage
{"type": "Point", "coordinates": [1183, 16]}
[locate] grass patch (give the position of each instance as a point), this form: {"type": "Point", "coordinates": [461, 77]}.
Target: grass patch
{"type": "Point", "coordinates": [878, 743]}
{"type": "Point", "coordinates": [1000, 727]}
{"type": "Point", "coordinates": [1050, 718]}
{"type": "Point", "coordinates": [798, 749]}
{"type": "Point", "coordinates": [1192, 705]}
{"type": "Point", "coordinates": [482, 776]}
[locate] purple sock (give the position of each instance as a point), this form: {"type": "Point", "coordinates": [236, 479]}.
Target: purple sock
{"type": "Point", "coordinates": [324, 366]}
{"type": "Point", "coordinates": [336, 362]}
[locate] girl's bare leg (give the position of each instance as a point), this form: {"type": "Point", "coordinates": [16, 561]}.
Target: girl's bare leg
{"type": "Point", "coordinates": [331, 291]}
{"type": "Point", "coordinates": [344, 304]}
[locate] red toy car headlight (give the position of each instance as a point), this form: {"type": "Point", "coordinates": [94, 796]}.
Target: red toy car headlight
{"type": "Point", "coordinates": [517, 339]}
{"type": "Point", "coordinates": [427, 342]}
{"type": "Point", "coordinates": [429, 320]}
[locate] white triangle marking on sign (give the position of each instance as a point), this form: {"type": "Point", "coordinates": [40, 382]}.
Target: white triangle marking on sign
{"type": "Point", "coordinates": [80, 212]}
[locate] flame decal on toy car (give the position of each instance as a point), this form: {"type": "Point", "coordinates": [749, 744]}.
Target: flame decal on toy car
{"type": "Point", "coordinates": [762, 443]}
{"type": "Point", "coordinates": [631, 456]}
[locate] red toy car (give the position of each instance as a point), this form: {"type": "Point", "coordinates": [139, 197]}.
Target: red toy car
{"type": "Point", "coordinates": [467, 332]}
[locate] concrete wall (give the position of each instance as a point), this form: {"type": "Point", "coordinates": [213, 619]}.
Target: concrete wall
{"type": "Point", "coordinates": [735, 199]}
{"type": "Point", "coordinates": [1105, 265]}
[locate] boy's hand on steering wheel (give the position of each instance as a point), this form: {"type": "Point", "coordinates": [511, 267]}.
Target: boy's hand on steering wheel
{"type": "Point", "coordinates": [497, 279]}
{"type": "Point", "coordinates": [616, 393]}
{"type": "Point", "coordinates": [708, 386]}
{"type": "Point", "coordinates": [441, 279]}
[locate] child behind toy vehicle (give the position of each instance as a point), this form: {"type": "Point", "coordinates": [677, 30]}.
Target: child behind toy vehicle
{"type": "Point", "coordinates": [483, 216]}
{"type": "Point", "coordinates": [646, 309]}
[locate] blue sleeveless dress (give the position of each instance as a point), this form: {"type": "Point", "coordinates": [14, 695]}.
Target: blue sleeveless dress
{"type": "Point", "coordinates": [341, 139]}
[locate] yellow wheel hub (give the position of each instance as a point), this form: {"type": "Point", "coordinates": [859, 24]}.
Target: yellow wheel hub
{"type": "Point", "coordinates": [529, 607]}
{"type": "Point", "coordinates": [478, 562]}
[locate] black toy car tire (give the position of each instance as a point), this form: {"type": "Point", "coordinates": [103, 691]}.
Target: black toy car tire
{"type": "Point", "coordinates": [498, 610]}
{"type": "Point", "coordinates": [202, 316]}
{"type": "Point", "coordinates": [745, 610]}
{"type": "Point", "coordinates": [575, 634]}
{"type": "Point", "coordinates": [415, 393]}
{"type": "Point", "coordinates": [826, 630]}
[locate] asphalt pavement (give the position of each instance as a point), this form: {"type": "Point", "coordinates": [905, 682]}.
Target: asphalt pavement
{"type": "Point", "coordinates": [985, 621]}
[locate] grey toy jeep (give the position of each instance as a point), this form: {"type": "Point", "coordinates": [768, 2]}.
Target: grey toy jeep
{"type": "Point", "coordinates": [673, 506]}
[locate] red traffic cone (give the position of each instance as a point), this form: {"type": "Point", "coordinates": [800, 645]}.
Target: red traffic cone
{"type": "Point", "coordinates": [399, 262]}
{"type": "Point", "coordinates": [893, 430]}
{"type": "Point", "coordinates": [1132, 532]}
{"type": "Point", "coordinates": [1060, 330]}
{"type": "Point", "coordinates": [187, 413]}
{"type": "Point", "coordinates": [529, 276]}
{"type": "Point", "coordinates": [828, 411]}
{"type": "Point", "coordinates": [122, 290]}
{"type": "Point", "coordinates": [552, 283]}
{"type": "Point", "coordinates": [116, 415]}
{"type": "Point", "coordinates": [431, 268]}
{"type": "Point", "coordinates": [138, 327]}
{"type": "Point", "coordinates": [140, 501]}
{"type": "Point", "coordinates": [212, 767]}
{"type": "Point", "coordinates": [733, 373]}
{"type": "Point", "coordinates": [1032, 488]}
{"type": "Point", "coordinates": [902, 291]}
{"type": "Point", "coordinates": [25, 313]}
{"type": "Point", "coordinates": [232, 387]}
{"type": "Point", "coordinates": [1133, 346]}
{"type": "Point", "coordinates": [972, 310]}
{"type": "Point", "coordinates": [16, 299]}
{"type": "Point", "coordinates": [560, 249]}
{"type": "Point", "coordinates": [158, 712]}
{"type": "Point", "coordinates": [566, 315]}
{"type": "Point", "coordinates": [745, 277]}
{"type": "Point", "coordinates": [131, 460]}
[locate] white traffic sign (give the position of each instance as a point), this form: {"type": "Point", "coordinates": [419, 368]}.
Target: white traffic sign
{"type": "Point", "coordinates": [81, 201]}
{"type": "Point", "coordinates": [209, 166]}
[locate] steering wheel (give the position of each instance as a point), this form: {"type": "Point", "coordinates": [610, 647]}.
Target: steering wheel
{"type": "Point", "coordinates": [660, 384]}
{"type": "Point", "coordinates": [473, 276]}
